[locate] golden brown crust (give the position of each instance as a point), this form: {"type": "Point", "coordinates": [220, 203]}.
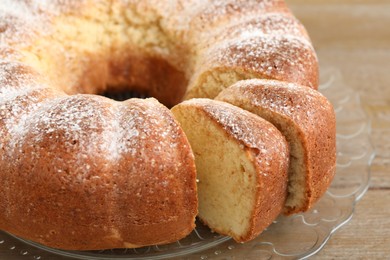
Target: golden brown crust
{"type": "Point", "coordinates": [265, 45]}
{"type": "Point", "coordinates": [53, 48]}
{"type": "Point", "coordinates": [102, 183]}
{"type": "Point", "coordinates": [303, 109]}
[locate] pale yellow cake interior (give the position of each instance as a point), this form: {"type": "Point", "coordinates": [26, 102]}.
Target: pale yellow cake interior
{"type": "Point", "coordinates": [227, 177]}
{"type": "Point", "coordinates": [297, 169]}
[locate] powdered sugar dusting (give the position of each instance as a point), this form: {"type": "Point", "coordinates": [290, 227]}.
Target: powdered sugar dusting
{"type": "Point", "coordinates": [143, 122]}
{"type": "Point", "coordinates": [249, 130]}
{"type": "Point", "coordinates": [66, 122]}
{"type": "Point", "coordinates": [238, 28]}
{"type": "Point", "coordinates": [266, 24]}
{"type": "Point", "coordinates": [15, 77]}
{"type": "Point", "coordinates": [16, 109]}
{"type": "Point", "coordinates": [244, 126]}
{"type": "Point", "coordinates": [21, 94]}
{"type": "Point", "coordinates": [300, 103]}
{"type": "Point", "coordinates": [23, 20]}
{"type": "Point", "coordinates": [16, 20]}
{"type": "Point", "coordinates": [260, 52]}
{"type": "Point", "coordinates": [303, 105]}
{"type": "Point", "coordinates": [222, 8]}
{"type": "Point", "coordinates": [187, 16]}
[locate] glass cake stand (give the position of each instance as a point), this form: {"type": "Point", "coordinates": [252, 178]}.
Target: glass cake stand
{"type": "Point", "coordinates": [295, 237]}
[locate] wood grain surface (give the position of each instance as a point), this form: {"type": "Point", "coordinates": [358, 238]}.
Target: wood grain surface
{"type": "Point", "coordinates": [353, 36]}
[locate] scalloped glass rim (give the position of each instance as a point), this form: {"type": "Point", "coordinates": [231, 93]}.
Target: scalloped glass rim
{"type": "Point", "coordinates": [284, 237]}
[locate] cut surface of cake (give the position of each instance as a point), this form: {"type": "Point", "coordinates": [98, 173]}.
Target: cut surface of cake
{"type": "Point", "coordinates": [241, 163]}
{"type": "Point", "coordinates": [307, 120]}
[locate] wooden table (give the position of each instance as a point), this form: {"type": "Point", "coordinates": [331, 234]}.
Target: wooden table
{"type": "Point", "coordinates": [353, 36]}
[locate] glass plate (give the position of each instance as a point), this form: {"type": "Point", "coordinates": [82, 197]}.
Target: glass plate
{"type": "Point", "coordinates": [294, 237]}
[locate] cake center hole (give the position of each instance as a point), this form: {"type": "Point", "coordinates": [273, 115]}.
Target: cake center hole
{"type": "Point", "coordinates": [124, 95]}
{"type": "Point", "coordinates": [140, 75]}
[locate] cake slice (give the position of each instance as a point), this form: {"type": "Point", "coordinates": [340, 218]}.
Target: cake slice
{"type": "Point", "coordinates": [307, 120]}
{"type": "Point", "coordinates": [241, 163]}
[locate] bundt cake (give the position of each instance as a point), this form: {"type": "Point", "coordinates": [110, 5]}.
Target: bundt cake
{"type": "Point", "coordinates": [241, 162]}
{"type": "Point", "coordinates": [306, 119]}
{"type": "Point", "coordinates": [80, 171]}
{"type": "Point", "coordinates": [85, 172]}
